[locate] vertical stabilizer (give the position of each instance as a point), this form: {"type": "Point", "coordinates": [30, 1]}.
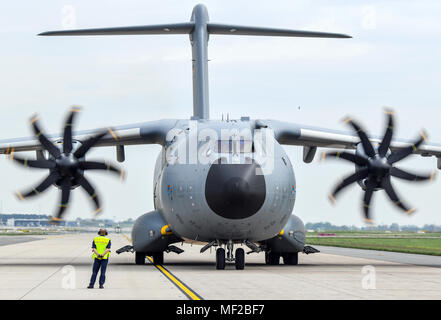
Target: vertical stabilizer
{"type": "Point", "coordinates": [199, 43]}
{"type": "Point", "coordinates": [199, 29]}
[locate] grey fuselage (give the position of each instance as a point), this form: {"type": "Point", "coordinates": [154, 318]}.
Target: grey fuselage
{"type": "Point", "coordinates": [236, 198]}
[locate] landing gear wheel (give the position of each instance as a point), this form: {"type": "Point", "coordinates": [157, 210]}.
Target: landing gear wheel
{"type": "Point", "coordinates": [139, 257]}
{"type": "Point", "coordinates": [220, 259]}
{"type": "Point", "coordinates": [158, 257]}
{"type": "Point", "coordinates": [291, 258]}
{"type": "Point", "coordinates": [240, 259]}
{"type": "Point", "coordinates": [272, 258]}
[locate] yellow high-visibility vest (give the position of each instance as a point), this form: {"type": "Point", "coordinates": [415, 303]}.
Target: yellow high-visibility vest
{"type": "Point", "coordinates": [101, 243]}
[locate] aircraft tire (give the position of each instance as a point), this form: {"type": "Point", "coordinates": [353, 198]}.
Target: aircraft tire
{"type": "Point", "coordinates": [240, 259]}
{"type": "Point", "coordinates": [158, 257]}
{"type": "Point", "coordinates": [220, 259]}
{"type": "Point", "coordinates": [291, 258]}
{"type": "Point", "coordinates": [139, 258]}
{"type": "Point", "coordinates": [273, 258]}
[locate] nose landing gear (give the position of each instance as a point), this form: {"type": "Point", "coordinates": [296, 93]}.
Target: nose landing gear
{"type": "Point", "coordinates": [238, 258]}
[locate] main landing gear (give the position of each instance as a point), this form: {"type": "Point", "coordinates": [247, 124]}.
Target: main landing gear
{"type": "Point", "coordinates": [158, 257]}
{"type": "Point", "coordinates": [238, 258]}
{"type": "Point", "coordinates": [289, 258]}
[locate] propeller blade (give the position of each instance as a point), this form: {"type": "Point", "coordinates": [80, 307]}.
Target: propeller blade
{"type": "Point", "coordinates": [67, 137]}
{"type": "Point", "coordinates": [46, 183]}
{"type": "Point", "coordinates": [367, 145]}
{"type": "Point", "coordinates": [403, 153]}
{"type": "Point", "coordinates": [94, 165]}
{"type": "Point", "coordinates": [66, 169]}
{"type": "Point", "coordinates": [89, 143]}
{"type": "Point", "coordinates": [371, 184]}
{"type": "Point", "coordinates": [347, 181]}
{"type": "Point", "coordinates": [354, 158]}
{"type": "Point", "coordinates": [43, 164]}
{"type": "Point", "coordinates": [387, 186]}
{"type": "Point", "coordinates": [48, 145]}
{"type": "Point", "coordinates": [84, 183]}
{"type": "Point", "coordinates": [385, 143]}
{"type": "Point", "coordinates": [65, 194]}
{"type": "Point", "coordinates": [401, 174]}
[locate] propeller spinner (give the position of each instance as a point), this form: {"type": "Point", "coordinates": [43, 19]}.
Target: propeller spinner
{"type": "Point", "coordinates": [66, 167]}
{"type": "Point", "coordinates": [376, 167]}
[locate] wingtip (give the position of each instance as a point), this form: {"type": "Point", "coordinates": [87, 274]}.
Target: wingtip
{"type": "Point", "coordinates": [48, 33]}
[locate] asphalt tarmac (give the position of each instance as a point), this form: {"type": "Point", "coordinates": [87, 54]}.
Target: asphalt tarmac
{"type": "Point", "coordinates": [59, 267]}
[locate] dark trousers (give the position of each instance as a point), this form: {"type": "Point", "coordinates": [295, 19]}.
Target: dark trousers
{"type": "Point", "coordinates": [97, 265]}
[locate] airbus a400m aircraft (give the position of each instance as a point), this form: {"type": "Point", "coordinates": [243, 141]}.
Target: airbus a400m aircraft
{"type": "Point", "coordinates": [220, 182]}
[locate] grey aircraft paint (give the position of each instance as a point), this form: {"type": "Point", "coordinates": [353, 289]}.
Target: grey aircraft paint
{"type": "Point", "coordinates": [180, 194]}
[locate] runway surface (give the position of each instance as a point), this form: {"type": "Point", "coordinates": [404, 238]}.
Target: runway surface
{"type": "Point", "coordinates": [6, 240]}
{"type": "Point", "coordinates": [59, 267]}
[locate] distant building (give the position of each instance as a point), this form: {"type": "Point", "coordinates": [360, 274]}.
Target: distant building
{"type": "Point", "coordinates": [23, 222]}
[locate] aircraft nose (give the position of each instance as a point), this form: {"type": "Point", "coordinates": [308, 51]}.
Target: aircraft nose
{"type": "Point", "coordinates": [235, 191]}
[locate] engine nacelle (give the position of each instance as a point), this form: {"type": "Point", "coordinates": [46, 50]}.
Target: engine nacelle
{"type": "Point", "coordinates": [150, 233]}
{"type": "Point", "coordinates": [290, 239]}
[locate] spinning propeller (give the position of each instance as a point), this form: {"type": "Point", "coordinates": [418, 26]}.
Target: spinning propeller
{"type": "Point", "coordinates": [66, 165]}
{"type": "Point", "coordinates": [374, 168]}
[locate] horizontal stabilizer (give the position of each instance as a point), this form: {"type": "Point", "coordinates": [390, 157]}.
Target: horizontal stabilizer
{"type": "Point", "coordinates": [177, 28]}
{"type": "Point", "coordinates": [229, 29]}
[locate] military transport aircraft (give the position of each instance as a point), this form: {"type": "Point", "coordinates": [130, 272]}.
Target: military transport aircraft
{"type": "Point", "coordinates": [223, 182]}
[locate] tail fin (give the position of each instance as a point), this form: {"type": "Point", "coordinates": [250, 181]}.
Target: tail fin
{"type": "Point", "coordinates": [198, 28]}
{"type": "Point", "coordinates": [187, 28]}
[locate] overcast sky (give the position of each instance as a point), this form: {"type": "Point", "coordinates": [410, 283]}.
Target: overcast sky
{"type": "Point", "coordinates": [394, 59]}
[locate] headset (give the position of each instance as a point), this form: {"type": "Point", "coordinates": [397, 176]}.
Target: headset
{"type": "Point", "coordinates": [99, 233]}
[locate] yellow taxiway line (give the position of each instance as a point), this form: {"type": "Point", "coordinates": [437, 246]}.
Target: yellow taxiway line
{"type": "Point", "coordinates": [178, 283]}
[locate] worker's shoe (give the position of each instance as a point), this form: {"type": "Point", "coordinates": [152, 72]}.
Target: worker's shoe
{"type": "Point", "coordinates": [101, 286]}
{"type": "Point", "coordinates": [90, 286]}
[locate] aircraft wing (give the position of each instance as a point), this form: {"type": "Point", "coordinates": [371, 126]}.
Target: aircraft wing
{"type": "Point", "coordinates": [312, 137]}
{"type": "Point", "coordinates": [152, 132]}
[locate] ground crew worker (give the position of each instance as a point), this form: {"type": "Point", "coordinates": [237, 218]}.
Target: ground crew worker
{"type": "Point", "coordinates": [101, 252]}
